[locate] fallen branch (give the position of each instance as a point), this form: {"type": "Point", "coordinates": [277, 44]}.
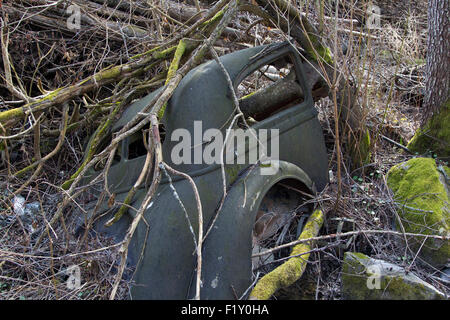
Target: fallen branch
{"type": "Point", "coordinates": [291, 270]}
{"type": "Point", "coordinates": [349, 234]}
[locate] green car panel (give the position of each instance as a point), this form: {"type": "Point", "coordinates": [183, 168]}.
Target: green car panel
{"type": "Point", "coordinates": [162, 252]}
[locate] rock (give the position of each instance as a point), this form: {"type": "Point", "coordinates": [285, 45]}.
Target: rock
{"type": "Point", "coordinates": [365, 278]}
{"type": "Point", "coordinates": [421, 194]}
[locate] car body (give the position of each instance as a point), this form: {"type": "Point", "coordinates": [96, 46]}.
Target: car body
{"type": "Point", "coordinates": [162, 249]}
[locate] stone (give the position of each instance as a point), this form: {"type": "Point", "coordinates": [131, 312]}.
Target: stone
{"type": "Point", "coordinates": [365, 278]}
{"type": "Point", "coordinates": [421, 196]}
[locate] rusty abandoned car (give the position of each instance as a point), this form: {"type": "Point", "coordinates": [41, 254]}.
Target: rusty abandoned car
{"type": "Point", "coordinates": [162, 255]}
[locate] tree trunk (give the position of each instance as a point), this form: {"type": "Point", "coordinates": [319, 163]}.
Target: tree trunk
{"type": "Point", "coordinates": [434, 134]}
{"type": "Point", "coordinates": [437, 82]}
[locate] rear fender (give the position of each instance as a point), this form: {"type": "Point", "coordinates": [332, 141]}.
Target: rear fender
{"type": "Point", "coordinates": [227, 266]}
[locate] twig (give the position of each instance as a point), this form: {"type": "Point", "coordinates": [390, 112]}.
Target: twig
{"type": "Point", "coordinates": [347, 234]}
{"type": "Point", "coordinates": [177, 197]}
{"type": "Point", "coordinates": [396, 143]}
{"type": "Point", "coordinates": [7, 63]}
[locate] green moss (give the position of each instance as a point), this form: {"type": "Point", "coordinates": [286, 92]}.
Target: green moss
{"type": "Point", "coordinates": [318, 51]}
{"type": "Point", "coordinates": [146, 53]}
{"type": "Point", "coordinates": [176, 59]}
{"type": "Point", "coordinates": [361, 151]}
{"type": "Point", "coordinates": [48, 96]}
{"type": "Point", "coordinates": [447, 171]}
{"type": "Point", "coordinates": [164, 54]}
{"type": "Point", "coordinates": [360, 256]}
{"type": "Point", "coordinates": [181, 48]}
{"type": "Point", "coordinates": [232, 172]}
{"type": "Point", "coordinates": [123, 208]}
{"type": "Point", "coordinates": [290, 271]}
{"type": "Point", "coordinates": [212, 23]}
{"type": "Point", "coordinates": [354, 281]}
{"type": "Point", "coordinates": [419, 61]}
{"type": "Point", "coordinates": [435, 134]}
{"type": "Point", "coordinates": [92, 145]}
{"type": "Point", "coordinates": [398, 287]}
{"type": "Point", "coordinates": [249, 95]}
{"type": "Point", "coordinates": [421, 195]}
{"type": "Point", "coordinates": [19, 112]}
{"type": "Point", "coordinates": [324, 54]}
{"type": "Point", "coordinates": [156, 53]}
{"type": "Point", "coordinates": [11, 114]}
{"type": "Point", "coordinates": [110, 73]}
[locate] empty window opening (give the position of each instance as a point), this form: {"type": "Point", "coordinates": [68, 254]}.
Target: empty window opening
{"type": "Point", "coordinates": [136, 146]}
{"type": "Point", "coordinates": [269, 89]}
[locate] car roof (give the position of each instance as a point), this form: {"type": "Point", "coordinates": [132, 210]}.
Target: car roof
{"type": "Point", "coordinates": [202, 88]}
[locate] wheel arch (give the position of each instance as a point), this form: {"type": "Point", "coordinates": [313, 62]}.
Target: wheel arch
{"type": "Point", "coordinates": [226, 268]}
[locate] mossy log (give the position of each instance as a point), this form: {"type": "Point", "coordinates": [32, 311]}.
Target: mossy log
{"type": "Point", "coordinates": [181, 48]}
{"type": "Point", "coordinates": [291, 270]}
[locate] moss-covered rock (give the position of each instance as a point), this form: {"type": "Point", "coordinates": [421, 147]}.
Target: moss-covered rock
{"type": "Point", "coordinates": [365, 278]}
{"type": "Point", "coordinates": [422, 198]}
